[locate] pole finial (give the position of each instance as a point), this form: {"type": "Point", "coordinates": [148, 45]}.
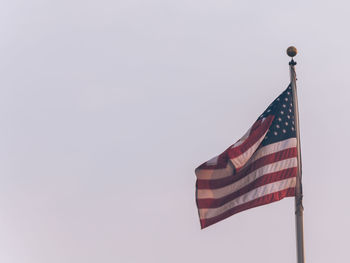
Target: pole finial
{"type": "Point", "coordinates": [292, 51]}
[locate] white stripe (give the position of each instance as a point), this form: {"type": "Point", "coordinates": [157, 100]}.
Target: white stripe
{"type": "Point", "coordinates": [207, 174]}
{"type": "Point", "coordinates": [242, 159]}
{"type": "Point", "coordinates": [261, 191]}
{"type": "Point", "coordinates": [229, 189]}
{"type": "Point", "coordinates": [273, 148]}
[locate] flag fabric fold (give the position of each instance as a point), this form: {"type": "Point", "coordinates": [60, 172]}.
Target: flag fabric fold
{"type": "Point", "coordinates": [260, 168]}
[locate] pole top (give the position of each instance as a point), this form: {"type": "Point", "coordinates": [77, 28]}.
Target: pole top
{"type": "Point", "coordinates": [292, 51]}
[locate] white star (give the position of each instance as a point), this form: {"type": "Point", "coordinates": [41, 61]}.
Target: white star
{"type": "Point", "coordinates": [282, 111]}
{"type": "Point", "coordinates": [288, 116]}
{"type": "Point", "coordinates": [286, 99]}
{"type": "Point", "coordinates": [275, 133]}
{"type": "Point", "coordinates": [284, 131]}
{"type": "Point", "coordinates": [288, 93]}
{"type": "Point", "coordinates": [292, 128]}
{"type": "Point", "coordinates": [284, 105]}
{"type": "Point", "coordinates": [286, 123]}
{"type": "Point", "coordinates": [279, 119]}
{"type": "Point", "coordinates": [290, 110]}
{"type": "Point", "coordinates": [277, 126]}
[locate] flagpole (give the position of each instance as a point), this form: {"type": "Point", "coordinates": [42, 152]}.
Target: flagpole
{"type": "Point", "coordinates": [299, 209]}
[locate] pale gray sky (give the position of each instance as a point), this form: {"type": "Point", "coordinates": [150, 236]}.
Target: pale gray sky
{"type": "Point", "coordinates": [107, 107]}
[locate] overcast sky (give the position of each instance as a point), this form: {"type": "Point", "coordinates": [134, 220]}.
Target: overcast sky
{"type": "Point", "coordinates": [107, 107]}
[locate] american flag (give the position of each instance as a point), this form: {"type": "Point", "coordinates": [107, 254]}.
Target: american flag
{"type": "Point", "coordinates": [260, 168]}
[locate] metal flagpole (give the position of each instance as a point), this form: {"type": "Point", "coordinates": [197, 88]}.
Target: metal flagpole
{"type": "Point", "coordinates": [299, 209]}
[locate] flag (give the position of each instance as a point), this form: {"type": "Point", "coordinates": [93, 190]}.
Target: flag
{"type": "Point", "coordinates": [260, 168]}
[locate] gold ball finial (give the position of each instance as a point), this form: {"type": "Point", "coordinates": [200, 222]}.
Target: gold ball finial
{"type": "Point", "coordinates": [292, 51]}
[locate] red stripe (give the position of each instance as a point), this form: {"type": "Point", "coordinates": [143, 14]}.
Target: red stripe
{"type": "Point", "coordinates": [254, 203]}
{"type": "Point", "coordinates": [265, 160]}
{"type": "Point", "coordinates": [263, 180]}
{"type": "Point", "coordinates": [257, 130]}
